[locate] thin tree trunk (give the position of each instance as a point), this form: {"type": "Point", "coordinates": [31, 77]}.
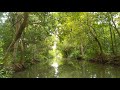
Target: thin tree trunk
{"type": "Point", "coordinates": [22, 52]}
{"type": "Point", "coordinates": [112, 45]}
{"type": "Point", "coordinates": [82, 51]}
{"type": "Point", "coordinates": [104, 38]}
{"type": "Point", "coordinates": [114, 38]}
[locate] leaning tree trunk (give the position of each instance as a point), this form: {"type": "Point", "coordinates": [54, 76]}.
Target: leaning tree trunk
{"type": "Point", "coordinates": [96, 39]}
{"type": "Point", "coordinates": [98, 42]}
{"type": "Point", "coordinates": [18, 34]}
{"type": "Point", "coordinates": [115, 27]}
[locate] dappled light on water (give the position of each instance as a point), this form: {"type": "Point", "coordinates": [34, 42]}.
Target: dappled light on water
{"type": "Point", "coordinates": [56, 54]}
{"type": "Point", "coordinates": [55, 65]}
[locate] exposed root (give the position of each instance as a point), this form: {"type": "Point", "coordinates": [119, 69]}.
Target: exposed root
{"type": "Point", "coordinates": [18, 67]}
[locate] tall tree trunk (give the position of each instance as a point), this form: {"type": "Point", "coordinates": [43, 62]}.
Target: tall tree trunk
{"type": "Point", "coordinates": [115, 43]}
{"type": "Point", "coordinates": [112, 45]}
{"type": "Point", "coordinates": [104, 37]}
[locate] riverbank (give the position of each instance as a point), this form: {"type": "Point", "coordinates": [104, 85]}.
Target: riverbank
{"type": "Point", "coordinates": [38, 70]}
{"type": "Point", "coordinates": [41, 70]}
{"type": "Point", "coordinates": [17, 67]}
{"type": "Point", "coordinates": [107, 59]}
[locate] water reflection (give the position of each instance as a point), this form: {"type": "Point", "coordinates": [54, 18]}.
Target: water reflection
{"type": "Point", "coordinates": [88, 70]}
{"type": "Point", "coordinates": [37, 71]}
{"type": "Point", "coordinates": [75, 70]}
{"type": "Point", "coordinates": [55, 65]}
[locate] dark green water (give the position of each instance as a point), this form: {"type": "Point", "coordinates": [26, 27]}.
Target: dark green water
{"type": "Point", "coordinates": [74, 69]}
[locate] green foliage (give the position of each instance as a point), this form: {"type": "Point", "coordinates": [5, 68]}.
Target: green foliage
{"type": "Point", "coordinates": [6, 72]}
{"type": "Point", "coordinates": [75, 32]}
{"type": "Point", "coordinates": [75, 54]}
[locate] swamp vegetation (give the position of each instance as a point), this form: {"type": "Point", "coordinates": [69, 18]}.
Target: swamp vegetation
{"type": "Point", "coordinates": [59, 45]}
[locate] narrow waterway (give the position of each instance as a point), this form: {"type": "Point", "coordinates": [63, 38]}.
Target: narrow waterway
{"type": "Point", "coordinates": [69, 68]}
{"type": "Point", "coordinates": [72, 69]}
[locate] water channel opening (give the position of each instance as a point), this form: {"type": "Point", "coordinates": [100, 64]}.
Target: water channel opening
{"type": "Point", "coordinates": [56, 54]}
